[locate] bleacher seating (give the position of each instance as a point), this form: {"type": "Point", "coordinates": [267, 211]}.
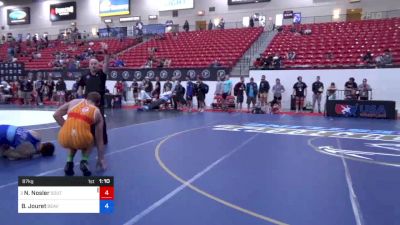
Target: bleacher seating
{"type": "Point", "coordinates": [115, 46]}
{"type": "Point", "coordinates": [348, 41]}
{"type": "Point", "coordinates": [196, 49]}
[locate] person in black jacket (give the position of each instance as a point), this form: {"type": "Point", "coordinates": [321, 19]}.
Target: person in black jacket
{"type": "Point", "coordinates": [95, 81]}
{"type": "Point", "coordinates": [317, 89]}
{"type": "Point", "coordinates": [26, 88]}
{"type": "Point", "coordinates": [263, 91]}
{"type": "Point", "coordinates": [300, 93]}
{"type": "Point", "coordinates": [201, 89]}
{"type": "Point", "coordinates": [61, 90]}
{"type": "Point", "coordinates": [251, 92]}
{"type": "Point", "coordinates": [238, 91]}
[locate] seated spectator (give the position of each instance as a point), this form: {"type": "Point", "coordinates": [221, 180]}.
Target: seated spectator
{"type": "Point", "coordinates": [331, 91]}
{"type": "Point", "coordinates": [329, 55]}
{"type": "Point", "coordinates": [291, 55]}
{"type": "Point", "coordinates": [215, 64]}
{"type": "Point", "coordinates": [277, 61]}
{"type": "Point", "coordinates": [368, 57]}
{"type": "Point", "coordinates": [384, 59]}
{"type": "Point", "coordinates": [118, 62]}
{"type": "Point", "coordinates": [167, 63]}
{"type": "Point", "coordinates": [307, 31]}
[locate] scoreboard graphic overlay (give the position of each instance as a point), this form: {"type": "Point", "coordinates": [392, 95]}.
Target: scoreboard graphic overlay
{"type": "Point", "coordinates": [65, 194]}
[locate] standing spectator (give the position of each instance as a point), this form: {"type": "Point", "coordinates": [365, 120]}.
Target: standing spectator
{"type": "Point", "coordinates": [251, 22]}
{"type": "Point", "coordinates": [251, 92]}
{"type": "Point", "coordinates": [210, 25]}
{"type": "Point", "coordinates": [26, 90]}
{"type": "Point", "coordinates": [238, 91]}
{"type": "Point", "coordinates": [119, 88]}
{"type": "Point", "coordinates": [277, 90]}
{"type": "Point", "coordinates": [125, 89]}
{"type": "Point", "coordinates": [157, 89]}
{"type": "Point", "coordinates": [221, 24]}
{"type": "Point", "coordinates": [291, 55]}
{"type": "Point", "coordinates": [227, 89]}
{"type": "Point", "coordinates": [331, 92]}
{"type": "Point", "coordinates": [218, 87]}
{"type": "Point", "coordinates": [95, 81]}
{"type": "Point", "coordinates": [350, 89]}
{"type": "Point", "coordinates": [49, 88]}
{"type": "Point", "coordinates": [179, 95]}
{"type": "Point", "coordinates": [135, 90]}
{"type": "Point", "coordinates": [167, 86]}
{"type": "Point", "coordinates": [148, 86]}
{"type": "Point", "coordinates": [189, 93]}
{"type": "Point", "coordinates": [201, 90]}
{"type": "Point", "coordinates": [300, 93]}
{"type": "Point", "coordinates": [317, 89]}
{"type": "Point", "coordinates": [39, 88]}
{"type": "Point", "coordinates": [364, 90]}
{"type": "Point", "coordinates": [263, 91]}
{"type": "Point", "coordinates": [61, 90]}
{"type": "Point", "coordinates": [186, 26]}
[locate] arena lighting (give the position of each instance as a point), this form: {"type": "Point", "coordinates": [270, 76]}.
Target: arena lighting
{"type": "Point", "coordinates": [1, 3]}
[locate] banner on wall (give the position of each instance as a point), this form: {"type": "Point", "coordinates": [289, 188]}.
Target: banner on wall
{"type": "Point", "coordinates": [207, 74]}
{"type": "Point", "coordinates": [238, 2]}
{"type": "Point", "coordinates": [17, 16]}
{"type": "Point", "coordinates": [166, 5]}
{"type": "Point", "coordinates": [114, 32]}
{"type": "Point", "coordinates": [10, 71]}
{"type": "Point", "coordinates": [63, 11]}
{"type": "Point", "coordinates": [361, 109]}
{"type": "Point", "coordinates": [114, 7]}
{"type": "Point", "coordinates": [288, 14]}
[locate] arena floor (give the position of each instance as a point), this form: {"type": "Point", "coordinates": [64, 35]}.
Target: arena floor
{"type": "Point", "coordinates": [231, 168]}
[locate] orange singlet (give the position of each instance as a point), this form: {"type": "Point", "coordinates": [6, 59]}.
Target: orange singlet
{"type": "Point", "coordinates": [76, 132]}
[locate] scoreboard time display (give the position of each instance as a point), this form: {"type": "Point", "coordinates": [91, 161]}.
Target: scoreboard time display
{"type": "Point", "coordinates": [66, 195]}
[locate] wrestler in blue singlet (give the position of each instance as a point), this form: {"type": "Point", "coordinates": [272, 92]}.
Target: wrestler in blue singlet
{"type": "Point", "coordinates": [14, 136]}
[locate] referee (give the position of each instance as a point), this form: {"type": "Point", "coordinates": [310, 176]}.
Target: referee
{"type": "Point", "coordinates": [95, 81]}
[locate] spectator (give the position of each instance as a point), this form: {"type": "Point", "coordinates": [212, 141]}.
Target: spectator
{"type": "Point", "coordinates": [364, 90]}
{"type": "Point", "coordinates": [157, 89]}
{"type": "Point", "coordinates": [218, 87]}
{"type": "Point", "coordinates": [118, 62]}
{"type": "Point", "coordinates": [317, 89]}
{"type": "Point", "coordinates": [291, 55]}
{"type": "Point", "coordinates": [201, 89]}
{"type": "Point", "coordinates": [167, 63]}
{"type": "Point", "coordinates": [39, 89]}
{"type": "Point", "coordinates": [384, 59]}
{"type": "Point", "coordinates": [251, 22]}
{"type": "Point", "coordinates": [189, 93]}
{"type": "Point", "coordinates": [61, 89]}
{"type": "Point", "coordinates": [186, 26]}
{"type": "Point", "coordinates": [210, 25]}
{"type": "Point", "coordinates": [277, 61]}
{"type": "Point", "coordinates": [125, 89]}
{"type": "Point", "coordinates": [167, 86]}
{"type": "Point", "coordinates": [350, 89]}
{"type": "Point", "coordinates": [119, 88]}
{"type": "Point", "coordinates": [251, 92]}
{"type": "Point", "coordinates": [331, 92]}
{"type": "Point", "coordinates": [215, 64]}
{"type": "Point", "coordinates": [263, 91]}
{"type": "Point", "coordinates": [26, 90]}
{"type": "Point", "coordinates": [238, 91]}
{"type": "Point", "coordinates": [227, 89]}
{"type": "Point", "coordinates": [179, 93]}
{"type": "Point", "coordinates": [148, 86]}
{"type": "Point", "coordinates": [368, 57]}
{"type": "Point", "coordinates": [221, 24]}
{"type": "Point", "coordinates": [135, 90]}
{"type": "Point", "coordinates": [49, 88]}
{"type": "Point", "coordinates": [300, 93]}
{"type": "Point", "coordinates": [277, 90]}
